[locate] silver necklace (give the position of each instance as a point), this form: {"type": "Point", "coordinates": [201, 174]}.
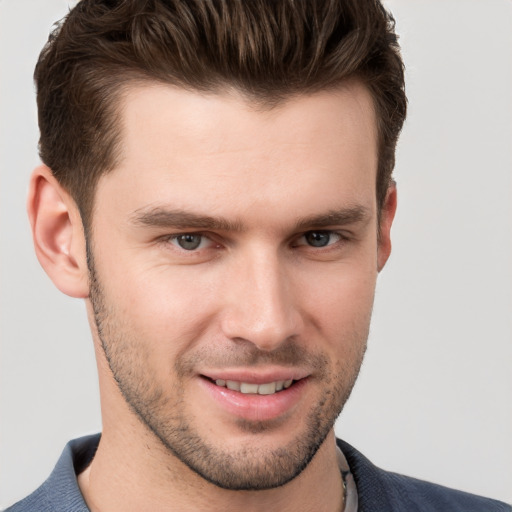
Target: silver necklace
{"type": "Point", "coordinates": [349, 484]}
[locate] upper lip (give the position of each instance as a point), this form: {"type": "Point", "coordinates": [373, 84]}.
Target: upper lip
{"type": "Point", "coordinates": [256, 376]}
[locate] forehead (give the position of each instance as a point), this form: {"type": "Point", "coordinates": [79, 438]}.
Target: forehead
{"type": "Point", "coordinates": [224, 151]}
{"type": "Point", "coordinates": [229, 119]}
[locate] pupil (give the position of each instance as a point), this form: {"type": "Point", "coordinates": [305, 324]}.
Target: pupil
{"type": "Point", "coordinates": [189, 242]}
{"type": "Point", "coordinates": [318, 238]}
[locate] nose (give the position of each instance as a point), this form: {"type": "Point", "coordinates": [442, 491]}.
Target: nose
{"type": "Point", "coordinates": [260, 304]}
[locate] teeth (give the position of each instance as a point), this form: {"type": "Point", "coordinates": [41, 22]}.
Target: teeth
{"type": "Point", "coordinates": [269, 388]}
{"type": "Point", "coordinates": [231, 384]}
{"type": "Point", "coordinates": [248, 388]}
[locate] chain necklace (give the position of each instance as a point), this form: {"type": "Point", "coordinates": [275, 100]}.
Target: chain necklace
{"type": "Point", "coordinates": [349, 484]}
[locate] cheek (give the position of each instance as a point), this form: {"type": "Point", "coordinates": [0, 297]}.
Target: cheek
{"type": "Point", "coordinates": [165, 304]}
{"type": "Point", "coordinates": [340, 304]}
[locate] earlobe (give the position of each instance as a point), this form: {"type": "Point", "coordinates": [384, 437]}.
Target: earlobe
{"type": "Point", "coordinates": [57, 233]}
{"type": "Point", "coordinates": [386, 220]}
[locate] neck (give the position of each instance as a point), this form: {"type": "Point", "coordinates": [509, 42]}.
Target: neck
{"type": "Point", "coordinates": [146, 477]}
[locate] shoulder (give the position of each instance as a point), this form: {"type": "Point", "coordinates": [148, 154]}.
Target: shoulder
{"type": "Point", "coordinates": [35, 501]}
{"type": "Point", "coordinates": [60, 492]}
{"type": "Point", "coordinates": [432, 497]}
{"type": "Point", "coordinates": [383, 490]}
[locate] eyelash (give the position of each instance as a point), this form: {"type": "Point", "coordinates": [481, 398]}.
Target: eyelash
{"type": "Point", "coordinates": [341, 237]}
{"type": "Point", "coordinates": [174, 238]}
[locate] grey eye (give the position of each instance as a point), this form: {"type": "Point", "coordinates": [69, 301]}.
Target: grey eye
{"type": "Point", "coordinates": [189, 242]}
{"type": "Point", "coordinates": [318, 238]}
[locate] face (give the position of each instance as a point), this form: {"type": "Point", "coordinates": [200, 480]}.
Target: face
{"type": "Point", "coordinates": [233, 262]}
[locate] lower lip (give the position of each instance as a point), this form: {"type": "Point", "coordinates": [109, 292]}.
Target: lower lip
{"type": "Point", "coordinates": [252, 407]}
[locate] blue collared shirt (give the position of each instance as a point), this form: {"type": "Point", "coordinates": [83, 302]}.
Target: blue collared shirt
{"type": "Point", "coordinates": [60, 492]}
{"type": "Point", "coordinates": [378, 490]}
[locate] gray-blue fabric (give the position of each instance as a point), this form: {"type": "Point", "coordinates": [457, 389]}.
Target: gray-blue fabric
{"type": "Point", "coordinates": [378, 490]}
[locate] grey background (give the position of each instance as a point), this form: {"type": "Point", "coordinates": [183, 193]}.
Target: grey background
{"type": "Point", "coordinates": [434, 397]}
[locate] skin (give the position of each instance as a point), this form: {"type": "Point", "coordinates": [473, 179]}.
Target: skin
{"type": "Point", "coordinates": [254, 300]}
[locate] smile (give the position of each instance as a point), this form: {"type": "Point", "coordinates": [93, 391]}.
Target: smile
{"type": "Point", "coordinates": [256, 397]}
{"type": "Point", "coordinates": [267, 388]}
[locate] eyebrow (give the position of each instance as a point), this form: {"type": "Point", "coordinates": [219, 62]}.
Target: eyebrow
{"type": "Point", "coordinates": [181, 219]}
{"type": "Point", "coordinates": [341, 217]}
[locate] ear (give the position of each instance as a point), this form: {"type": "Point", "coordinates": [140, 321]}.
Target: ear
{"type": "Point", "coordinates": [386, 220]}
{"type": "Point", "coordinates": [58, 233]}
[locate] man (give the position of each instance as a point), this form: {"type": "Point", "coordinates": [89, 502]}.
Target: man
{"type": "Point", "coordinates": [217, 188]}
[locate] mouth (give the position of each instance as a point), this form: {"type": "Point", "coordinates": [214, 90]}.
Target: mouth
{"type": "Point", "coordinates": [249, 388]}
{"type": "Point", "coordinates": [256, 396]}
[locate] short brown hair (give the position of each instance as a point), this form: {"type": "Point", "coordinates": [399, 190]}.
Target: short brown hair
{"type": "Point", "coordinates": [267, 49]}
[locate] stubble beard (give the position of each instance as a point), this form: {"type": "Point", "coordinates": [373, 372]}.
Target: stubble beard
{"type": "Point", "coordinates": [163, 412]}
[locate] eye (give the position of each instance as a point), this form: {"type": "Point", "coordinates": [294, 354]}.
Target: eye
{"type": "Point", "coordinates": [320, 238]}
{"type": "Point", "coordinates": [190, 241]}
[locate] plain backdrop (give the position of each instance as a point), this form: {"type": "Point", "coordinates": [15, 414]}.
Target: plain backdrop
{"type": "Point", "coordinates": [434, 399]}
